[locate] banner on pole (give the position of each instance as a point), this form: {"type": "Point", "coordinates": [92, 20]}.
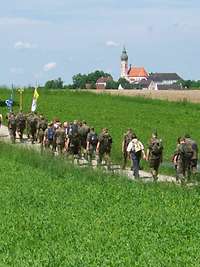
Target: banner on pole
{"type": "Point", "coordinates": [34, 102]}
{"type": "Point", "coordinates": [9, 103]}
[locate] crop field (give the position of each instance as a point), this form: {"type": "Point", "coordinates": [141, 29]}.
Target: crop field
{"type": "Point", "coordinates": [53, 214]}
{"type": "Point", "coordinates": [170, 119]}
{"type": "Point", "coordinates": [171, 95]}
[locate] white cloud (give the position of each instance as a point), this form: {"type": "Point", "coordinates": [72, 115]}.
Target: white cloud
{"type": "Point", "coordinates": [24, 45]}
{"type": "Point", "coordinates": [17, 70]}
{"type": "Point", "coordinates": [112, 43]}
{"type": "Point", "coordinates": [49, 66]}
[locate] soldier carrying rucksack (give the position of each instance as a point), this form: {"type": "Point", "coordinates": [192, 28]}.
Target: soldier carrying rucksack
{"type": "Point", "coordinates": [21, 124]}
{"type": "Point", "coordinates": [92, 140]}
{"type": "Point", "coordinates": [60, 139]}
{"type": "Point", "coordinates": [12, 126]}
{"type": "Point", "coordinates": [73, 144]}
{"type": "Point", "coordinates": [155, 155]}
{"type": "Point", "coordinates": [32, 122]}
{"type": "Point", "coordinates": [186, 153]}
{"type": "Point", "coordinates": [104, 147]}
{"type": "Point", "coordinates": [194, 158]}
{"type": "Point", "coordinates": [83, 132]}
{"type": "Point", "coordinates": [41, 127]}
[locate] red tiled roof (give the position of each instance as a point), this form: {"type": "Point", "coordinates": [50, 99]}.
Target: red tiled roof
{"type": "Point", "coordinates": [137, 72]}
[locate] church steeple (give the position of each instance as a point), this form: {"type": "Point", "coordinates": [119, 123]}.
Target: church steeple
{"type": "Point", "coordinates": [124, 63]}
{"type": "Point", "coordinates": [124, 56]}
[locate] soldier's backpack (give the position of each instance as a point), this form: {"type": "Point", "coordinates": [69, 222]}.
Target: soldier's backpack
{"type": "Point", "coordinates": [73, 131]}
{"type": "Point", "coordinates": [60, 136]}
{"type": "Point", "coordinates": [187, 150]}
{"type": "Point", "coordinates": [156, 147]}
{"type": "Point", "coordinates": [106, 142]}
{"type": "Point", "coordinates": [50, 134]}
{"type": "Point", "coordinates": [33, 123]}
{"type": "Point", "coordinates": [43, 125]}
{"type": "Point", "coordinates": [83, 131]}
{"type": "Point", "coordinates": [21, 121]}
{"type": "Point", "coordinates": [93, 139]}
{"type": "Point", "coordinates": [127, 139]}
{"type": "Point", "coordinates": [13, 122]}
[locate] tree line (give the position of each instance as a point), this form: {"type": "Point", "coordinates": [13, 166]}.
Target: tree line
{"type": "Point", "coordinates": [88, 81]}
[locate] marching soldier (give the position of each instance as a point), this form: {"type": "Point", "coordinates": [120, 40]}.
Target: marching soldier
{"type": "Point", "coordinates": [104, 147]}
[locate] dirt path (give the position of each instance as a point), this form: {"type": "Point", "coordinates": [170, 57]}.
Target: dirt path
{"type": "Point", "coordinates": [144, 176]}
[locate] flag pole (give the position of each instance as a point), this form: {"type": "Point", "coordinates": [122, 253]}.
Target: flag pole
{"type": "Point", "coordinates": [11, 97]}
{"type": "Point", "coordinates": [21, 90]}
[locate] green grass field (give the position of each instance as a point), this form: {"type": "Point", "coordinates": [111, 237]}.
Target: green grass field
{"type": "Point", "coordinates": [119, 113]}
{"type": "Point", "coordinates": [53, 214]}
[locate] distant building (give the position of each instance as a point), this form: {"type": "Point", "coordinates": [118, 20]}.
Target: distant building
{"type": "Point", "coordinates": [102, 82]}
{"type": "Point", "coordinates": [144, 80]}
{"type": "Point", "coordinates": [132, 74]}
{"type": "Point", "coordinates": [164, 81]}
{"type": "Point", "coordinates": [154, 86]}
{"type": "Point", "coordinates": [165, 78]}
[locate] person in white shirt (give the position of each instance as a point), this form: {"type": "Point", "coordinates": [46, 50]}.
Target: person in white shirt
{"type": "Point", "coordinates": [136, 151]}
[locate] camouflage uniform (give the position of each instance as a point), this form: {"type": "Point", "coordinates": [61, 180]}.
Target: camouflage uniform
{"type": "Point", "coordinates": [104, 147]}
{"type": "Point", "coordinates": [21, 124]}
{"type": "Point", "coordinates": [83, 132]}
{"type": "Point", "coordinates": [92, 140]}
{"type": "Point", "coordinates": [60, 138]}
{"type": "Point", "coordinates": [128, 136]}
{"type": "Point", "coordinates": [33, 123]}
{"type": "Point", "coordinates": [42, 126]}
{"type": "Point", "coordinates": [28, 128]}
{"type": "Point", "coordinates": [194, 158]}
{"type": "Point", "coordinates": [184, 162]}
{"type": "Point", "coordinates": [155, 157]}
{"type": "Point", "coordinates": [74, 142]}
{"type": "Point", "coordinates": [12, 127]}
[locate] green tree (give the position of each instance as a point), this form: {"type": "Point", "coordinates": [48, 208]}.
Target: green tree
{"type": "Point", "coordinates": [112, 85]}
{"type": "Point", "coordinates": [80, 80]}
{"type": "Point", "coordinates": [54, 84]}
{"type": "Point", "coordinates": [124, 83]}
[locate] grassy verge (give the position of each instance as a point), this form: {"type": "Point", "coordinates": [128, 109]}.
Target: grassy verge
{"type": "Point", "coordinates": [53, 214]}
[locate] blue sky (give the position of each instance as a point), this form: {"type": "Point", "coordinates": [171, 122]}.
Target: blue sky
{"type": "Point", "coordinates": [47, 39]}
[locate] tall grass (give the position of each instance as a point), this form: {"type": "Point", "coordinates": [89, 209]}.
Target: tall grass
{"type": "Point", "coordinates": [53, 214]}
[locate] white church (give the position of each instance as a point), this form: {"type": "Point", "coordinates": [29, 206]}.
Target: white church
{"type": "Point", "coordinates": [132, 74]}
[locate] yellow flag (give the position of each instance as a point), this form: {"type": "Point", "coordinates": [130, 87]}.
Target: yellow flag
{"type": "Point", "coordinates": [35, 95]}
{"type": "Point", "coordinates": [34, 102]}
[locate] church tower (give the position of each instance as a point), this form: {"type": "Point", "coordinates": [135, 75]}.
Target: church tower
{"type": "Point", "coordinates": [124, 64]}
